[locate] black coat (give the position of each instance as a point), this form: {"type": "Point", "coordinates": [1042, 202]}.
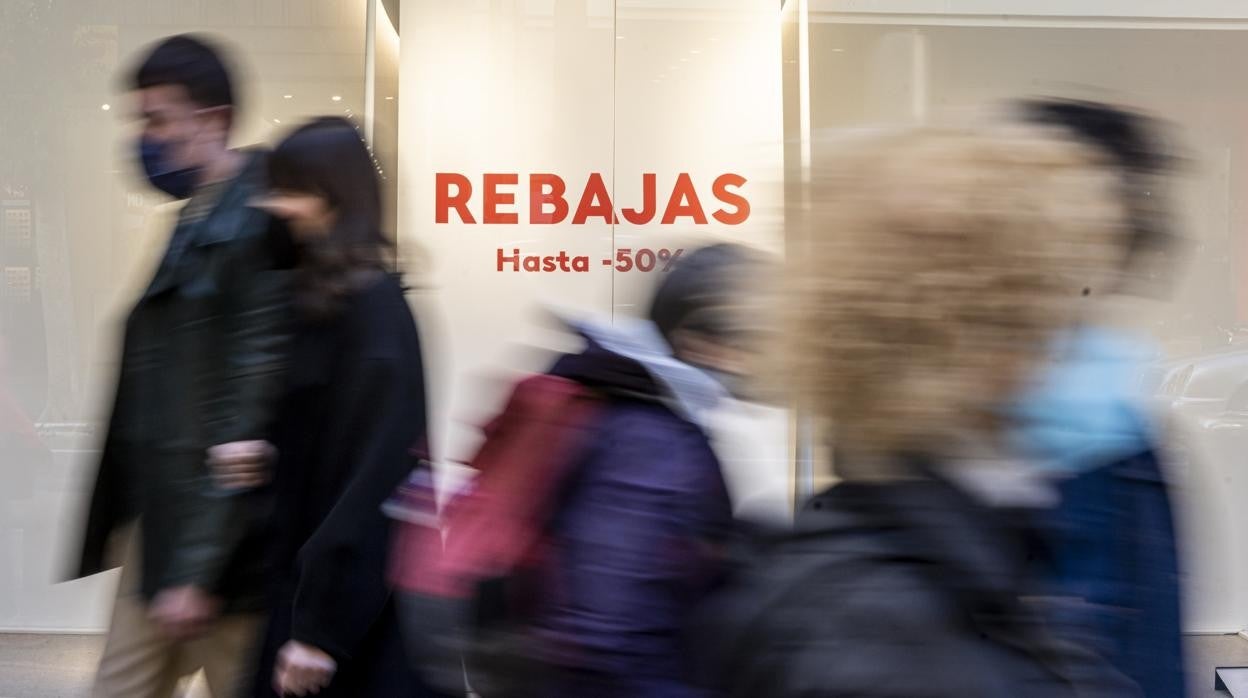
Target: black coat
{"type": "Point", "coordinates": [902, 590]}
{"type": "Point", "coordinates": [352, 419]}
{"type": "Point", "coordinates": [200, 366]}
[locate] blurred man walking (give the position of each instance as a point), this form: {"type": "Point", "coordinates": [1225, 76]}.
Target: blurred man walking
{"type": "Point", "coordinates": [198, 369]}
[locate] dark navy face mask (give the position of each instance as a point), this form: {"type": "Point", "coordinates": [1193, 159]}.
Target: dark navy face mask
{"type": "Point", "coordinates": [174, 181]}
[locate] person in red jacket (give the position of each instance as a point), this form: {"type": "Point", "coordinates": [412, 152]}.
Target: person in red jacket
{"type": "Point", "coordinates": [591, 531]}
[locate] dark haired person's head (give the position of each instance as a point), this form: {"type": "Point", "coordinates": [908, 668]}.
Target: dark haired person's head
{"type": "Point", "coordinates": [1132, 143]}
{"type": "Point", "coordinates": [709, 309]}
{"type": "Point", "coordinates": [323, 183]}
{"type": "Point", "coordinates": [186, 103]}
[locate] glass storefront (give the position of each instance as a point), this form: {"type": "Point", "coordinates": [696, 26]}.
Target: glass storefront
{"type": "Point", "coordinates": [632, 105]}
{"type": "Point", "coordinates": [667, 113]}
{"type": "Point", "coordinates": [903, 63]}
{"type": "Point", "coordinates": [545, 154]}
{"type": "Point", "coordinates": [81, 231]}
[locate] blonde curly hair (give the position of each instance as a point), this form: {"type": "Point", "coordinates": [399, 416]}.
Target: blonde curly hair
{"type": "Point", "coordinates": [930, 272]}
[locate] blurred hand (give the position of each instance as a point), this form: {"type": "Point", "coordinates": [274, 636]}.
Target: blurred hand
{"type": "Point", "coordinates": [302, 670]}
{"type": "Point", "coordinates": [183, 612]}
{"type": "Point", "coordinates": [241, 465]}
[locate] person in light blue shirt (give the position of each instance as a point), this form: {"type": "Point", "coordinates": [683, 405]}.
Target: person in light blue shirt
{"type": "Point", "coordinates": [1115, 575]}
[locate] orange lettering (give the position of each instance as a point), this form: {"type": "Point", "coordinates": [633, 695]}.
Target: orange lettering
{"type": "Point", "coordinates": [730, 198]}
{"type": "Point", "coordinates": [445, 201]}
{"type": "Point", "coordinates": [540, 197]}
{"type": "Point", "coordinates": [648, 208]}
{"type": "Point", "coordinates": [495, 198]}
{"type": "Point", "coordinates": [683, 192]}
{"type": "Point", "coordinates": [595, 201]}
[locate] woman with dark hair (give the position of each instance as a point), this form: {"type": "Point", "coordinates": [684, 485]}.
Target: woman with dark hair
{"type": "Point", "coordinates": [353, 415]}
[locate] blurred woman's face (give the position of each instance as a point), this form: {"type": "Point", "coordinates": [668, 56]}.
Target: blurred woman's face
{"type": "Point", "coordinates": [308, 215]}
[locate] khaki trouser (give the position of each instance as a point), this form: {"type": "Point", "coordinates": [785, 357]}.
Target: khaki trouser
{"type": "Point", "coordinates": [140, 662]}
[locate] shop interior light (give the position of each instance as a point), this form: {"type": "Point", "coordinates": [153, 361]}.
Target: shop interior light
{"type": "Point", "coordinates": [106, 107]}
{"type": "Point", "coordinates": [288, 96]}
{"type": "Point", "coordinates": [337, 98]}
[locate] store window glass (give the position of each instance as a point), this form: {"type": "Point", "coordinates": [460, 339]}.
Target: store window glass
{"type": "Point", "coordinates": [912, 65]}
{"type": "Point", "coordinates": [637, 104]}
{"type": "Point", "coordinates": [562, 154]}
{"type": "Point", "coordinates": [79, 231]}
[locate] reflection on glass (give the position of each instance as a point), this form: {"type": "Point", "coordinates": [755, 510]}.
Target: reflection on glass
{"type": "Point", "coordinates": [79, 232]}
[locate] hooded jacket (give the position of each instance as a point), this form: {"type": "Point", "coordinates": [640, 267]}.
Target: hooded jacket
{"type": "Point", "coordinates": [633, 536]}
{"type": "Point", "coordinates": [574, 558]}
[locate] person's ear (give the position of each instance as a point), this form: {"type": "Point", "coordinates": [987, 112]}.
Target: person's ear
{"type": "Point", "coordinates": [220, 120]}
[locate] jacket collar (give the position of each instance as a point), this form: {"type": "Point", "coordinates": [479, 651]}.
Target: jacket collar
{"type": "Point", "coordinates": [982, 549]}
{"type": "Point", "coordinates": [223, 223]}
{"type": "Point", "coordinates": [632, 354]}
{"type": "Point", "coordinates": [229, 216]}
